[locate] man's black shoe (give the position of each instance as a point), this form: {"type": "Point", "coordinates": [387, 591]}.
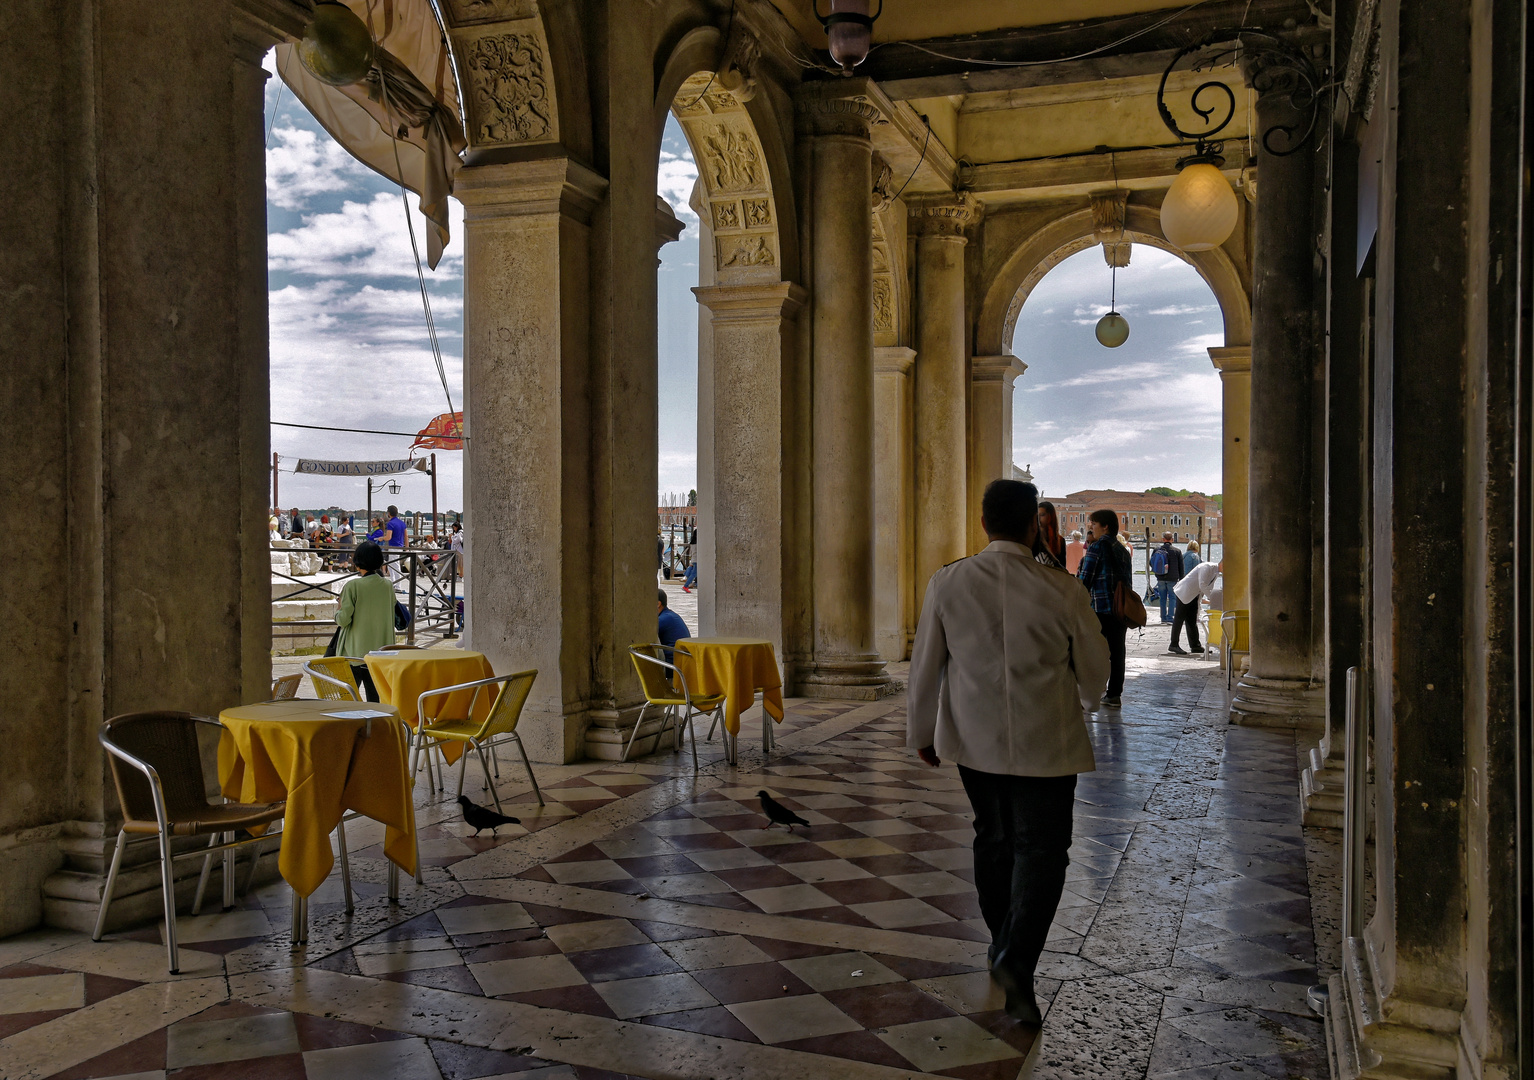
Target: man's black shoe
{"type": "Point", "coordinates": [1179, 652]}
{"type": "Point", "coordinates": [1021, 1004]}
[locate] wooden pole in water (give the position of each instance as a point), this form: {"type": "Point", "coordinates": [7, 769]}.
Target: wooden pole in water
{"type": "Point", "coordinates": [276, 502]}
{"type": "Point", "coordinates": [433, 471]}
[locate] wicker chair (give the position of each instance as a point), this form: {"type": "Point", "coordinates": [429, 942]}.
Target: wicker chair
{"type": "Point", "coordinates": [157, 767]}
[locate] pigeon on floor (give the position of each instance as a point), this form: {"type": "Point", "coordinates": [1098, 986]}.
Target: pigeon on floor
{"type": "Point", "coordinates": [480, 818]}
{"type": "Point", "coordinates": [778, 814]}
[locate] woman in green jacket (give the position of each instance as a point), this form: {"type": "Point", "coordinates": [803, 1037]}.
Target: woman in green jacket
{"type": "Point", "coordinates": [366, 614]}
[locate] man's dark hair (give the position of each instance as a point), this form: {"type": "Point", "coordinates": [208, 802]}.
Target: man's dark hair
{"type": "Point", "coordinates": [1010, 507]}
{"type": "Point", "coordinates": [369, 556]}
{"type": "Point", "coordinates": [660, 594]}
{"type": "Point", "coordinates": [394, 511]}
{"type": "Point", "coordinates": [1108, 519]}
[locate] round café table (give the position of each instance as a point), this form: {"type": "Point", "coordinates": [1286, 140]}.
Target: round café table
{"type": "Point", "coordinates": [324, 765]}
{"type": "Point", "coordinates": [736, 667]}
{"type": "Point", "coordinates": [403, 675]}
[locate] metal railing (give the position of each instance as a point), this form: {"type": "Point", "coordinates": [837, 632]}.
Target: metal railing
{"type": "Point", "coordinates": [431, 594]}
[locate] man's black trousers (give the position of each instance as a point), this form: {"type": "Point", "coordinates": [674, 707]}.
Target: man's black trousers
{"type": "Point", "coordinates": [1187, 615]}
{"type": "Point", "coordinates": [1022, 844]}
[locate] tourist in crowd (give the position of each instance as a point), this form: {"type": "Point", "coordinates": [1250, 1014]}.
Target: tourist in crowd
{"type": "Point", "coordinates": [345, 537]}
{"type": "Point", "coordinates": [669, 627]}
{"type": "Point", "coordinates": [690, 579]}
{"type": "Point", "coordinates": [455, 541]}
{"type": "Point", "coordinates": [295, 524]}
{"type": "Point", "coordinates": [365, 614]}
{"type": "Point", "coordinates": [311, 529]}
{"type": "Point", "coordinates": [1197, 582]}
{"type": "Point", "coordinates": [1107, 563]}
{"type": "Point", "coordinates": [1190, 559]}
{"type": "Point", "coordinates": [1014, 655]}
{"type": "Point", "coordinates": [1049, 545]}
{"type": "Point", "coordinates": [396, 544]}
{"type": "Point", "coordinates": [1166, 564]}
{"type": "Point", "coordinates": [283, 523]}
{"type": "Point", "coordinates": [1074, 550]}
{"type": "Point", "coordinates": [376, 531]}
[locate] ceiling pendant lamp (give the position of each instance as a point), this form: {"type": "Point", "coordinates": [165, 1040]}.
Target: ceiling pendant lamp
{"type": "Point", "coordinates": [1113, 328]}
{"type": "Point", "coordinates": [336, 47]}
{"type": "Point", "coordinates": [1201, 209]}
{"type": "Point", "coordinates": [849, 30]}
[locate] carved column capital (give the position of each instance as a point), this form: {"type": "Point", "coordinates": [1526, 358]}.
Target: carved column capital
{"type": "Point", "coordinates": [826, 108]}
{"type": "Point", "coordinates": [947, 216]}
{"type": "Point", "coordinates": [893, 360]}
{"type": "Point", "coordinates": [1232, 359]}
{"type": "Point", "coordinates": [518, 189]}
{"type": "Point", "coordinates": [260, 24]}
{"type": "Point", "coordinates": [1004, 369]}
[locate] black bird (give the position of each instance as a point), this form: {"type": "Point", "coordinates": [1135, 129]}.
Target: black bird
{"type": "Point", "coordinates": [481, 817]}
{"type": "Point", "coordinates": [778, 814]}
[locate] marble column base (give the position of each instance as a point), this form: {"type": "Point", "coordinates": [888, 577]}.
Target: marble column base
{"type": "Point", "coordinates": [1417, 1041]}
{"type": "Point", "coordinates": [1279, 703]}
{"type": "Point", "coordinates": [1321, 789]}
{"type": "Point", "coordinates": [845, 680]}
{"type": "Point", "coordinates": [608, 735]}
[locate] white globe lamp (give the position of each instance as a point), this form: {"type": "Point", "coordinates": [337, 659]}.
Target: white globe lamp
{"type": "Point", "coordinates": [1200, 211]}
{"type": "Point", "coordinates": [1112, 330]}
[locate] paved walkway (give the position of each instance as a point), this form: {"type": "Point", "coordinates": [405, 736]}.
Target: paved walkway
{"type": "Point", "coordinates": [644, 924]}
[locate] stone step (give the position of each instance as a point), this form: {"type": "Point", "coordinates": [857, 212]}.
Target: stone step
{"type": "Point", "coordinates": [71, 899]}
{"type": "Point", "coordinates": [605, 741]}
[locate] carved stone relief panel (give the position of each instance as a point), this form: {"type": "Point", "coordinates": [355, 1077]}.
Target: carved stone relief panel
{"type": "Point", "coordinates": [509, 93]}
{"type": "Point", "coordinates": [884, 303]}
{"type": "Point", "coordinates": [750, 250]}
{"type": "Point", "coordinates": [466, 12]}
{"type": "Point", "coordinates": [732, 172]}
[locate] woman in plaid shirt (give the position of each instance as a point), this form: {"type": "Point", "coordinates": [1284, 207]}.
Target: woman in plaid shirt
{"type": "Point", "coordinates": [1105, 564]}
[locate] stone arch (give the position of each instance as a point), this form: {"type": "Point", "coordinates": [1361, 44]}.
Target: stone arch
{"type": "Point", "coordinates": [521, 70]}
{"type": "Point", "coordinates": [1044, 249]}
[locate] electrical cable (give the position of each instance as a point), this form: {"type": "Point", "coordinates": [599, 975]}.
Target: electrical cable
{"type": "Point", "coordinates": [729, 23]}
{"type": "Point", "coordinates": [1041, 63]}
{"type": "Point", "coordinates": [349, 430]}
{"type": "Point", "coordinates": [399, 175]}
{"type": "Point", "coordinates": [919, 160]}
{"type": "Point", "coordinates": [276, 104]}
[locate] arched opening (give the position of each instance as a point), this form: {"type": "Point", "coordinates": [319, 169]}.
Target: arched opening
{"type": "Point", "coordinates": [731, 259]}
{"type": "Point", "coordinates": [1135, 429]}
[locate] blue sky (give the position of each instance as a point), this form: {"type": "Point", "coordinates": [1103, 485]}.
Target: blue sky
{"type": "Point", "coordinates": [349, 345]}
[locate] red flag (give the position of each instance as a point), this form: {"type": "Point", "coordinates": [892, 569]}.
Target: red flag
{"type": "Point", "coordinates": [445, 432]}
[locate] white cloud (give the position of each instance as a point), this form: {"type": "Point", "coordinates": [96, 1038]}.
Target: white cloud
{"type": "Point", "coordinates": [1182, 309]}
{"type": "Point", "coordinates": [1139, 372]}
{"type": "Point", "coordinates": [1201, 344]}
{"type": "Point", "coordinates": [363, 240]}
{"type": "Point", "coordinates": [674, 181]}
{"type": "Point", "coordinates": [301, 164]}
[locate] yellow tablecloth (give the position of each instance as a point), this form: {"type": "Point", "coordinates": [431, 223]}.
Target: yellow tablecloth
{"type": "Point", "coordinates": [403, 676]}
{"type": "Point", "coordinates": [291, 750]}
{"type": "Point", "coordinates": [736, 668]}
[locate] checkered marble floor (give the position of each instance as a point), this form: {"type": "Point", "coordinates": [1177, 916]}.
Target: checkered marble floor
{"type": "Point", "coordinates": [644, 923]}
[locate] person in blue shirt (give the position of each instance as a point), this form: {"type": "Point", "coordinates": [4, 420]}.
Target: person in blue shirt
{"type": "Point", "coordinates": [671, 628]}
{"type": "Point", "coordinates": [396, 530]}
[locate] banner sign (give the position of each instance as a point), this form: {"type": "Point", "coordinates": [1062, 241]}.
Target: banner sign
{"type": "Point", "coordinates": [361, 468]}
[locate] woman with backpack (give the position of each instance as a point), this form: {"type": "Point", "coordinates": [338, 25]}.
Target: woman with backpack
{"type": "Point", "coordinates": [1108, 563]}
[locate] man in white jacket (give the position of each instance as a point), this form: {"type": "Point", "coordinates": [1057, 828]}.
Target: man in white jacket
{"type": "Point", "coordinates": [1007, 660]}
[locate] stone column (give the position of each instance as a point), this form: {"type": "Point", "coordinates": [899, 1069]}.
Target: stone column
{"type": "Point", "coordinates": [136, 373]}
{"type": "Point", "coordinates": [991, 383]}
{"type": "Point", "coordinates": [1279, 689]}
{"type": "Point", "coordinates": [892, 502]}
{"type": "Point", "coordinates": [941, 505]}
{"type": "Point", "coordinates": [1234, 363]}
{"type": "Point", "coordinates": [843, 661]}
{"type": "Point", "coordinates": [751, 326]}
{"type": "Point", "coordinates": [527, 405]}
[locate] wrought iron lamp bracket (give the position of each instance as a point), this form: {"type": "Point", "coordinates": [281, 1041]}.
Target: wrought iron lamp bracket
{"type": "Point", "coordinates": [835, 17]}
{"type": "Point", "coordinates": [1275, 66]}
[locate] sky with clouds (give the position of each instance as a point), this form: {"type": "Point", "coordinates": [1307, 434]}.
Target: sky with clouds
{"type": "Point", "coordinates": [349, 344]}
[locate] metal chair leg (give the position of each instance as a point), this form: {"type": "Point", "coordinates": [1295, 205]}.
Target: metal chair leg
{"type": "Point", "coordinates": [229, 865]}
{"type": "Point", "coordinates": [346, 866]}
{"type": "Point", "coordinates": [633, 734]}
{"type": "Point", "coordinates": [529, 766]}
{"type": "Point", "coordinates": [202, 879]}
{"type": "Point", "coordinates": [463, 768]}
{"type": "Point", "coordinates": [168, 882]}
{"type": "Point", "coordinates": [106, 892]}
{"type": "Point", "coordinates": [483, 764]}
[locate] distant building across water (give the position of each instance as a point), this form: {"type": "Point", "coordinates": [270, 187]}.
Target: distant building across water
{"type": "Point", "coordinates": [1187, 517]}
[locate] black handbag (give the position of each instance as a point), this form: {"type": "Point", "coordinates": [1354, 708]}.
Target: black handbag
{"type": "Point", "coordinates": [401, 616]}
{"type": "Point", "coordinates": [330, 650]}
